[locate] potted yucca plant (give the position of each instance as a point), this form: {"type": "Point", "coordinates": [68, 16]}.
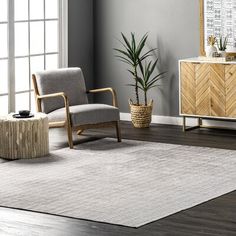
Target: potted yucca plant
{"type": "Point", "coordinates": [222, 45]}
{"type": "Point", "coordinates": [143, 79]}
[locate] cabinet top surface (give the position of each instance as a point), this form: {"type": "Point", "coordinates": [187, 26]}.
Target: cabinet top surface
{"type": "Point", "coordinates": [207, 60]}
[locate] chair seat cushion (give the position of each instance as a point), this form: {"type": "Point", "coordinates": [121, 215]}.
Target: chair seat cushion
{"type": "Point", "coordinates": [86, 114]}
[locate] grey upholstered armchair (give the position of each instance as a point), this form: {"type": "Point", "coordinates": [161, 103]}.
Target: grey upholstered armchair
{"type": "Point", "coordinates": [62, 95]}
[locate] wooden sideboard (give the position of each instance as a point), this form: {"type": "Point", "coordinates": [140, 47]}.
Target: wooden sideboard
{"type": "Point", "coordinates": [207, 89]}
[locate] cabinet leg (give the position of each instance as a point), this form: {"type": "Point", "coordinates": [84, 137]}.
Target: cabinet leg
{"type": "Point", "coordinates": [199, 122]}
{"type": "Point", "coordinates": [184, 123]}
{"type": "Point", "coordinates": [185, 128]}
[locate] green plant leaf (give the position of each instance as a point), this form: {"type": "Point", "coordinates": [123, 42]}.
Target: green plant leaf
{"type": "Point", "coordinates": [154, 86]}
{"type": "Point", "coordinates": [123, 59]}
{"type": "Point", "coordinates": [125, 46]}
{"type": "Point", "coordinates": [159, 76]}
{"type": "Point", "coordinates": [154, 79]}
{"type": "Point", "coordinates": [140, 81]}
{"type": "Point", "coordinates": [131, 72]}
{"type": "Point", "coordinates": [225, 42]}
{"type": "Point", "coordinates": [153, 82]}
{"type": "Point", "coordinates": [141, 67]}
{"type": "Point", "coordinates": [147, 54]}
{"type": "Point", "coordinates": [141, 45]}
{"type": "Point", "coordinates": [153, 66]}
{"type": "Point", "coordinates": [124, 53]}
{"type": "Point", "coordinates": [142, 42]}
{"type": "Point", "coordinates": [133, 42]}
{"type": "Point", "coordinates": [126, 41]}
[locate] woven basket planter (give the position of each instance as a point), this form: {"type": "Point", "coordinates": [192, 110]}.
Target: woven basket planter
{"type": "Point", "coordinates": [141, 116]}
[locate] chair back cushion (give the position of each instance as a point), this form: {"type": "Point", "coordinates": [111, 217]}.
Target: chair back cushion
{"type": "Point", "coordinates": [69, 80]}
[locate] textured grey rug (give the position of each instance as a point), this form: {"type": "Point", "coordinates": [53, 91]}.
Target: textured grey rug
{"type": "Point", "coordinates": [130, 183]}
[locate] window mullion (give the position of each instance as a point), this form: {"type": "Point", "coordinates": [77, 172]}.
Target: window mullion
{"type": "Point", "coordinates": [44, 28]}
{"type": "Point", "coordinates": [63, 33]}
{"type": "Point", "coordinates": [11, 59]}
{"type": "Point", "coordinates": [29, 61]}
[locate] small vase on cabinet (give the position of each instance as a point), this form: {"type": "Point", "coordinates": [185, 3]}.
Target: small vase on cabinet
{"type": "Point", "coordinates": [210, 51]}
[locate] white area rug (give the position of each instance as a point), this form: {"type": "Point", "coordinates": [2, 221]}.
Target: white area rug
{"type": "Point", "coordinates": [130, 183]}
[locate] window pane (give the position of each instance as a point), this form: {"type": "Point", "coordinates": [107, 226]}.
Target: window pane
{"type": "Point", "coordinates": [3, 76]}
{"type": "Point", "coordinates": [3, 10]}
{"type": "Point", "coordinates": [21, 10]}
{"type": "Point", "coordinates": [37, 64]}
{"type": "Point", "coordinates": [36, 9]}
{"type": "Point", "coordinates": [3, 105]}
{"type": "Point", "coordinates": [51, 61]}
{"type": "Point", "coordinates": [21, 74]}
{"type": "Point", "coordinates": [22, 101]}
{"type": "Point", "coordinates": [51, 9]}
{"type": "Point", "coordinates": [33, 107]}
{"type": "Point", "coordinates": [36, 37]}
{"type": "Point", "coordinates": [21, 39]}
{"type": "Point", "coordinates": [3, 40]}
{"type": "Point", "coordinates": [51, 36]}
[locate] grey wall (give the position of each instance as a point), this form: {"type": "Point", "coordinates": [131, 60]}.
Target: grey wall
{"type": "Point", "coordinates": [173, 27]}
{"type": "Point", "coordinates": [80, 37]}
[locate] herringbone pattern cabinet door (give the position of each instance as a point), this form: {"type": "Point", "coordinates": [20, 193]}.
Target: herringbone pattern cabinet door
{"type": "Point", "coordinates": [217, 90]}
{"type": "Point", "coordinates": [230, 88]}
{"type": "Point", "coordinates": [203, 99]}
{"type": "Point", "coordinates": [208, 89]}
{"type": "Point", "coordinates": [188, 88]}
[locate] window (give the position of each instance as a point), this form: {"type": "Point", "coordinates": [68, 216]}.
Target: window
{"type": "Point", "coordinates": [32, 38]}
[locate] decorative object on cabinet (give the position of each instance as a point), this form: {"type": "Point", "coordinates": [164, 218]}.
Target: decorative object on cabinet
{"type": "Point", "coordinates": [143, 77]}
{"type": "Point", "coordinates": [211, 50]}
{"type": "Point", "coordinates": [207, 90]}
{"type": "Point", "coordinates": [230, 56]}
{"type": "Point", "coordinates": [222, 45]}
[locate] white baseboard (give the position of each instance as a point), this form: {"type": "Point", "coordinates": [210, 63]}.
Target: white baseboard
{"type": "Point", "coordinates": [171, 120]}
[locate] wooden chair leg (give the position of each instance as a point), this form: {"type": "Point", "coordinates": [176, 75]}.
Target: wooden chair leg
{"type": "Point", "coordinates": [80, 131]}
{"type": "Point", "coordinates": [118, 134]}
{"type": "Point", "coordinates": [70, 139]}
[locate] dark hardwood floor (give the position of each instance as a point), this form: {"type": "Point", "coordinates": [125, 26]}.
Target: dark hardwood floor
{"type": "Point", "coordinates": [215, 217]}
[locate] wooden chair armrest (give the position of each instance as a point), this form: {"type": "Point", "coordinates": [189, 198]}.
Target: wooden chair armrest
{"type": "Point", "coordinates": [111, 90]}
{"type": "Point", "coordinates": [52, 95]}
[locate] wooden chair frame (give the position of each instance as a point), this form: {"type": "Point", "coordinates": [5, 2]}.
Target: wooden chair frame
{"type": "Point", "coordinates": [67, 123]}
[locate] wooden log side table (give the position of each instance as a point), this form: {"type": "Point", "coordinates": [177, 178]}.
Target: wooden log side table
{"type": "Point", "coordinates": [22, 138]}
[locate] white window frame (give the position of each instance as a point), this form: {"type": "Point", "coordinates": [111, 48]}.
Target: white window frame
{"type": "Point", "coordinates": [62, 46]}
{"type": "Point", "coordinates": [63, 35]}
